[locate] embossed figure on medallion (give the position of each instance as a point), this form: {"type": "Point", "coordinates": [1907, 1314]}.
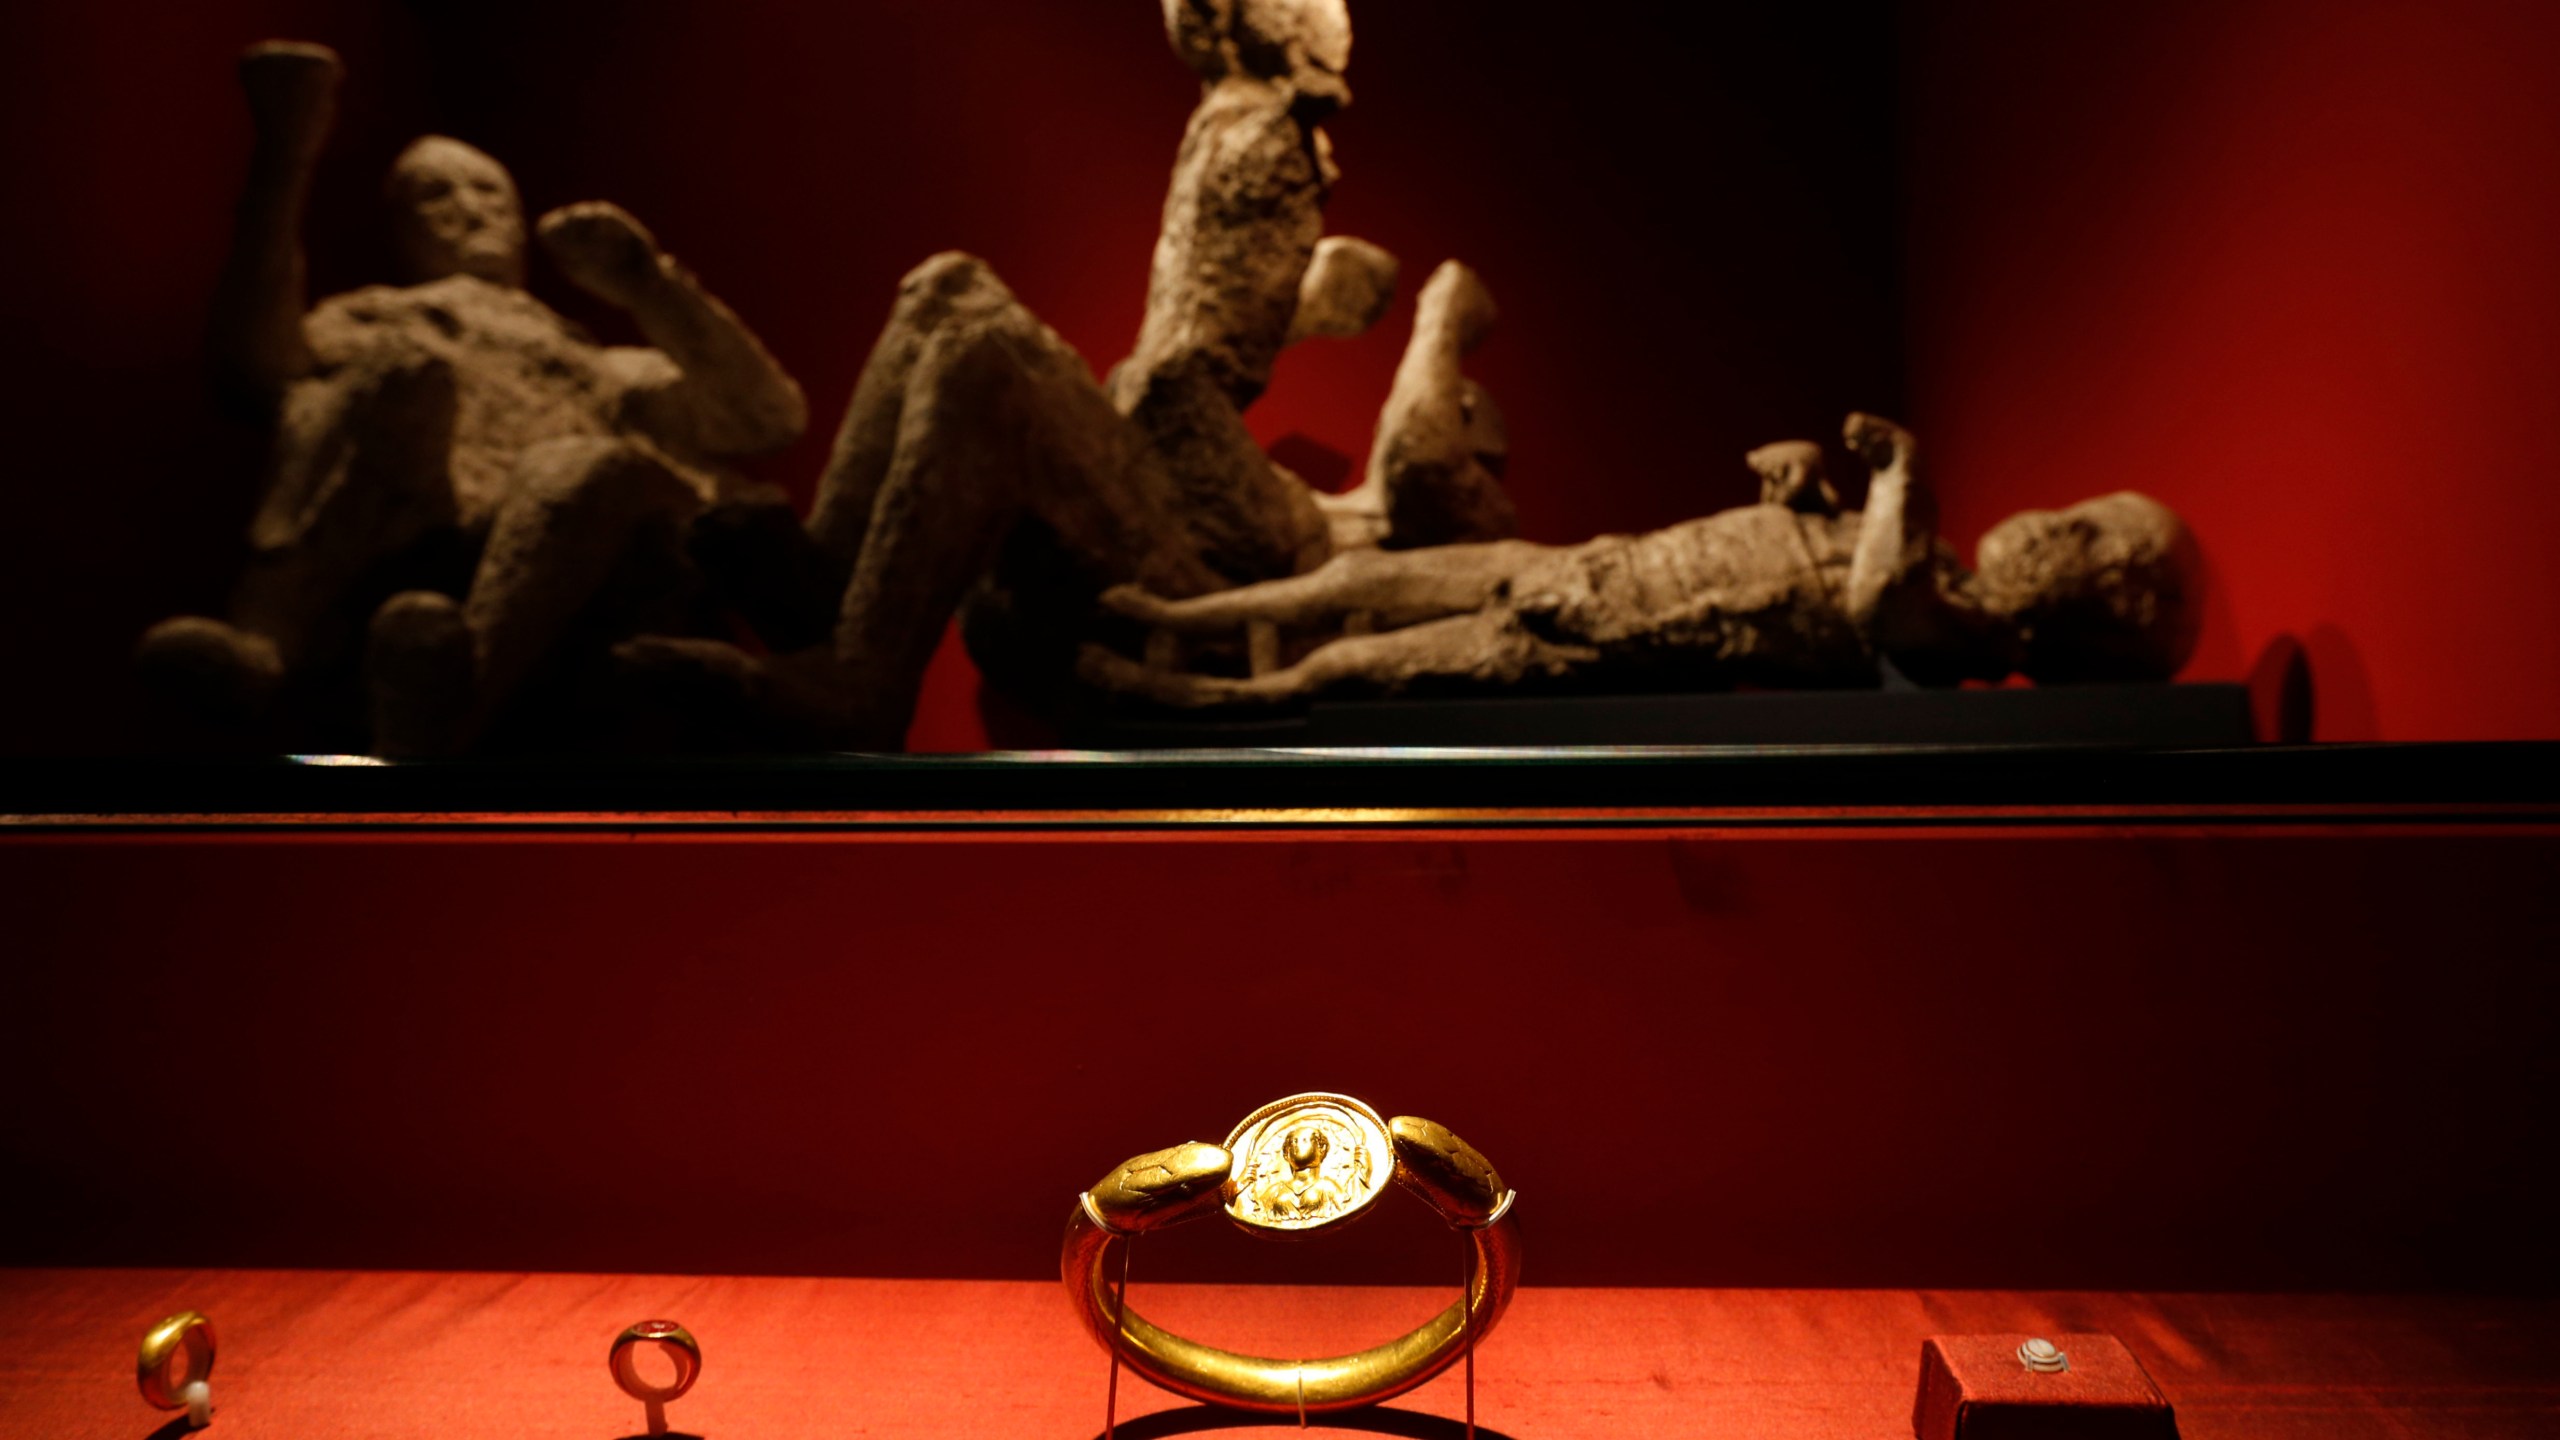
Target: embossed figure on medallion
{"type": "Point", "coordinates": [1307, 1162]}
{"type": "Point", "coordinates": [1303, 1190]}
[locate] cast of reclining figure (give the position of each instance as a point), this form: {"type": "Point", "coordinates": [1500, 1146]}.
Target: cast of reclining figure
{"type": "Point", "coordinates": [456, 429]}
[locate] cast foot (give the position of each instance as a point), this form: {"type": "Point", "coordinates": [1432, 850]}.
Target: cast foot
{"type": "Point", "coordinates": [418, 660]}
{"type": "Point", "coordinates": [725, 698]}
{"type": "Point", "coordinates": [1108, 670]}
{"type": "Point", "coordinates": [219, 674]}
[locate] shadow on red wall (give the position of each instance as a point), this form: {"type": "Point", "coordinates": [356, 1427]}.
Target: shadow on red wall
{"type": "Point", "coordinates": [2288, 266]}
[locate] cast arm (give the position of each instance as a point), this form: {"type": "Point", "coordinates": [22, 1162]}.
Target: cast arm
{"type": "Point", "coordinates": [709, 387]}
{"type": "Point", "coordinates": [1897, 531]}
{"type": "Point", "coordinates": [1392, 588]}
{"type": "Point", "coordinates": [1242, 219]}
{"type": "Point", "coordinates": [256, 341]}
{"type": "Point", "coordinates": [1908, 596]}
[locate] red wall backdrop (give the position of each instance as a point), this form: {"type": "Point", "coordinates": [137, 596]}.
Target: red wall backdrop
{"type": "Point", "coordinates": [2288, 265]}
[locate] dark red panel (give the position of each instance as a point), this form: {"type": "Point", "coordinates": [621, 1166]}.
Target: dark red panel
{"type": "Point", "coordinates": [2171, 1059]}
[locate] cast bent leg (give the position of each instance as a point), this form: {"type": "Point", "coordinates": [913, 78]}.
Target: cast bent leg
{"type": "Point", "coordinates": [971, 418]}
{"type": "Point", "coordinates": [1000, 424]}
{"type": "Point", "coordinates": [441, 669]}
{"type": "Point", "coordinates": [941, 508]}
{"type": "Point", "coordinates": [950, 286]}
{"type": "Point", "coordinates": [1485, 650]}
{"type": "Point", "coordinates": [1388, 588]}
{"type": "Point", "coordinates": [365, 478]}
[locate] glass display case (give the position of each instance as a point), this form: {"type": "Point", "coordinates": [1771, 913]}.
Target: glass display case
{"type": "Point", "coordinates": [1430, 607]}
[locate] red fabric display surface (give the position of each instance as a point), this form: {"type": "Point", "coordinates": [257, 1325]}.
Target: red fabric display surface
{"type": "Point", "coordinates": [315, 1354]}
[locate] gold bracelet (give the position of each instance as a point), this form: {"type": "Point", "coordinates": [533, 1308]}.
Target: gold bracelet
{"type": "Point", "coordinates": [1295, 1167]}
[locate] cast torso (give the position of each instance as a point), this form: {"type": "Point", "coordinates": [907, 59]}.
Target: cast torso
{"type": "Point", "coordinates": [522, 374]}
{"type": "Point", "coordinates": [1746, 594]}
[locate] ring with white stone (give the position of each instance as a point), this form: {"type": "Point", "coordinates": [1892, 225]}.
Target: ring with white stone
{"type": "Point", "coordinates": [167, 1386]}
{"type": "Point", "coordinates": [2043, 1357]}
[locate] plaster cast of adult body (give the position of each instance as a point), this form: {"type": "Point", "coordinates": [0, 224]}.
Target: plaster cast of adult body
{"type": "Point", "coordinates": [454, 406]}
{"type": "Point", "coordinates": [981, 468]}
{"type": "Point", "coordinates": [1793, 591]}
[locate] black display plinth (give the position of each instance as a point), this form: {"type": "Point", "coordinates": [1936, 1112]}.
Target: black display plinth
{"type": "Point", "coordinates": [2475, 782]}
{"type": "Point", "coordinates": [2151, 715]}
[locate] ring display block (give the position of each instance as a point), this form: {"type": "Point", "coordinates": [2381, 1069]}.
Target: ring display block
{"type": "Point", "coordinates": [1983, 1387]}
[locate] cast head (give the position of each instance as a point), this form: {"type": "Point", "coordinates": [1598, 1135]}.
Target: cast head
{"type": "Point", "coordinates": [1304, 42]}
{"type": "Point", "coordinates": [454, 211]}
{"type": "Point", "coordinates": [2109, 589]}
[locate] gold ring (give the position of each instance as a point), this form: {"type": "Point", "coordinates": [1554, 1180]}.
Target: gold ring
{"type": "Point", "coordinates": [679, 1344]}
{"type": "Point", "coordinates": [188, 1333]}
{"type": "Point", "coordinates": [1293, 1168]}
